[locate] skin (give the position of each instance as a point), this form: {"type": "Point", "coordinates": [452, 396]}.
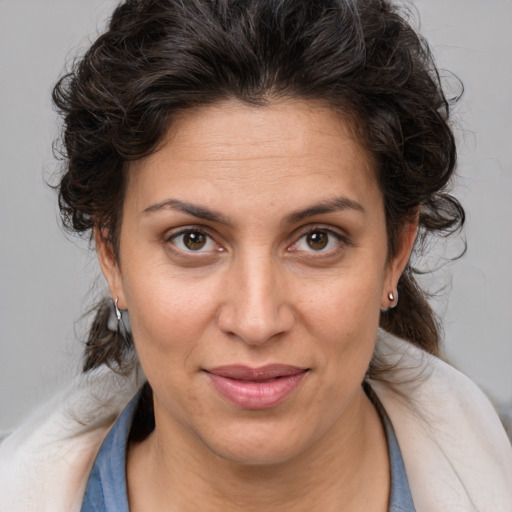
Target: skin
{"type": "Point", "coordinates": [260, 290]}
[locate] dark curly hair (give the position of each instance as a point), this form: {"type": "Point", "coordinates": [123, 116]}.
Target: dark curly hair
{"type": "Point", "coordinates": [161, 57]}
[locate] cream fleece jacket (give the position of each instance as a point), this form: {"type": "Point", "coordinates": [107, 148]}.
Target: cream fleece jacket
{"type": "Point", "coordinates": [455, 450]}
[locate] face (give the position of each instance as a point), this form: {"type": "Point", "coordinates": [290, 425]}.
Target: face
{"type": "Point", "coordinates": [253, 263]}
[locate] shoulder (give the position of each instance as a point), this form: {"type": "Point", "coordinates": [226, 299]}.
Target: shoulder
{"type": "Point", "coordinates": [45, 463]}
{"type": "Point", "coordinates": [456, 453]}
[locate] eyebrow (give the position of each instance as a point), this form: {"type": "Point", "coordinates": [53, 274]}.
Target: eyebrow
{"type": "Point", "coordinates": [200, 212]}
{"type": "Point", "coordinates": [328, 206]}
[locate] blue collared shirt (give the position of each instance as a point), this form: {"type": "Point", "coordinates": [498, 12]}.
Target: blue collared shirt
{"type": "Point", "coordinates": [106, 489]}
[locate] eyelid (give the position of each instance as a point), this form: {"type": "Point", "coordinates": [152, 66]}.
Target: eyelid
{"type": "Point", "coordinates": [174, 233]}
{"type": "Point", "coordinates": [340, 236]}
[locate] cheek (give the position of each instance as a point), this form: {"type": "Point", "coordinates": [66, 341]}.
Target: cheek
{"type": "Point", "coordinates": [167, 313]}
{"type": "Point", "coordinates": [343, 318]}
{"type": "Point", "coordinates": [345, 306]}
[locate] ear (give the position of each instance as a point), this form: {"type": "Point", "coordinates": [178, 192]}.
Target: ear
{"type": "Point", "coordinates": [396, 265]}
{"type": "Point", "coordinates": [109, 266]}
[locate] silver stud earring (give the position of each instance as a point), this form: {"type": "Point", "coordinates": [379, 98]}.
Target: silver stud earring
{"type": "Point", "coordinates": [393, 298]}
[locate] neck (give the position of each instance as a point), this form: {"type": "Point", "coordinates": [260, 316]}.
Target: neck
{"type": "Point", "coordinates": [348, 465]}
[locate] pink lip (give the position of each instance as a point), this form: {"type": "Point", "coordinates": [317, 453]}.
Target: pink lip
{"type": "Point", "coordinates": [256, 388]}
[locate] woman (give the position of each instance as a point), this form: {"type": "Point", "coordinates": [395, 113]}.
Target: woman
{"type": "Point", "coordinates": [255, 176]}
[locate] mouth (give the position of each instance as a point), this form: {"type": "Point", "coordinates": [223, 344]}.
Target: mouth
{"type": "Point", "coordinates": [256, 388]}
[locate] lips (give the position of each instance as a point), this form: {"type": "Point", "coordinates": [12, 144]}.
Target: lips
{"type": "Point", "coordinates": [256, 388]}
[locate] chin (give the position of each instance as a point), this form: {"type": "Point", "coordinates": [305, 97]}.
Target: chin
{"type": "Point", "coordinates": [264, 445]}
{"type": "Point", "coordinates": [256, 456]}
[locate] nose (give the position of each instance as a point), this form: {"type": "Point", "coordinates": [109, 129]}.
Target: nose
{"type": "Point", "coordinates": [255, 308]}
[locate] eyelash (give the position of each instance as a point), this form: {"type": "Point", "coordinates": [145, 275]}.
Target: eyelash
{"type": "Point", "coordinates": [171, 239]}
{"type": "Point", "coordinates": [340, 240]}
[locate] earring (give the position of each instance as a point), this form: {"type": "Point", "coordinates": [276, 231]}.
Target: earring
{"type": "Point", "coordinates": [118, 311]}
{"type": "Point", "coordinates": [393, 299]}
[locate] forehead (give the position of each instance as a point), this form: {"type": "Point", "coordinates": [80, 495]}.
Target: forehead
{"type": "Point", "coordinates": [264, 126]}
{"type": "Point", "coordinates": [294, 149]}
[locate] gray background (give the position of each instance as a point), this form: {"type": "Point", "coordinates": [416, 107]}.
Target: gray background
{"type": "Point", "coordinates": [47, 280]}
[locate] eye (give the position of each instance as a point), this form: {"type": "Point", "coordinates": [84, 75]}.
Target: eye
{"type": "Point", "coordinates": [193, 240]}
{"type": "Point", "coordinates": [319, 240]}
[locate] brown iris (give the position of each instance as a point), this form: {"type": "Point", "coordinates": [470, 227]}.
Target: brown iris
{"type": "Point", "coordinates": [194, 240]}
{"type": "Point", "coordinates": [317, 240]}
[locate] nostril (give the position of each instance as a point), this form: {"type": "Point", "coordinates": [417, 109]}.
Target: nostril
{"type": "Point", "coordinates": [255, 307]}
{"type": "Point", "coordinates": [254, 329]}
